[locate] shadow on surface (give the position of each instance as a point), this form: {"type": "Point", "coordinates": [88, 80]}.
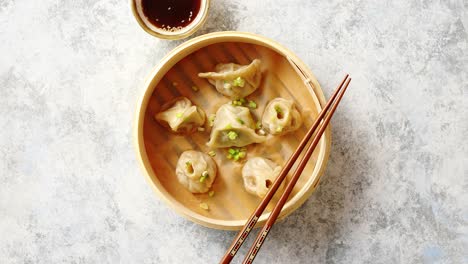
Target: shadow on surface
{"type": "Point", "coordinates": [315, 228]}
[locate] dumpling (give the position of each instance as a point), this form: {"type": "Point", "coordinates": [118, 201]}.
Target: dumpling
{"type": "Point", "coordinates": [281, 116]}
{"type": "Point", "coordinates": [235, 81]}
{"type": "Point", "coordinates": [233, 126]}
{"type": "Point", "coordinates": [259, 174]}
{"type": "Point", "coordinates": [196, 171]}
{"type": "Point", "coordinates": [181, 116]}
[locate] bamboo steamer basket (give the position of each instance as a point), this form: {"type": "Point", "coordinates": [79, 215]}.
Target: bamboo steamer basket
{"type": "Point", "coordinates": [158, 150]}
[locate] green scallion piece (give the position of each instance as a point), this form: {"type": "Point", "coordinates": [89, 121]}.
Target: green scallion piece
{"type": "Point", "coordinates": [259, 125]}
{"type": "Point", "coordinates": [278, 109]}
{"type": "Point", "coordinates": [204, 176]}
{"type": "Point", "coordinates": [242, 154]}
{"type": "Point", "coordinates": [232, 135]}
{"type": "Point", "coordinates": [239, 82]}
{"type": "Point", "coordinates": [236, 153]}
{"type": "Point", "coordinates": [232, 151]}
{"type": "Point", "coordinates": [211, 119]}
{"type": "Point", "coordinates": [204, 206]}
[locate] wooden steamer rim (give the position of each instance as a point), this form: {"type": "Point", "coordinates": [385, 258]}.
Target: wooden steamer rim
{"type": "Point", "coordinates": [159, 72]}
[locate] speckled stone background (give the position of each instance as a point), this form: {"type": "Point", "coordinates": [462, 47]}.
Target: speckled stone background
{"type": "Point", "coordinates": [396, 188]}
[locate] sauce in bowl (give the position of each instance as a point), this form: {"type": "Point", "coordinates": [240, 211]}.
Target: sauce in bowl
{"type": "Point", "coordinates": [170, 15]}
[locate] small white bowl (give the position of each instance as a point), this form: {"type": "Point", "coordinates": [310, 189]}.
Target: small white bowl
{"type": "Point", "coordinates": [164, 34]}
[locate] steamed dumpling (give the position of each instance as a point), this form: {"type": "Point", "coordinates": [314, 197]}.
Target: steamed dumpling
{"type": "Point", "coordinates": [196, 171]}
{"type": "Point", "coordinates": [235, 81]}
{"type": "Point", "coordinates": [259, 174]}
{"type": "Point", "coordinates": [281, 116]}
{"type": "Point", "coordinates": [181, 116]}
{"type": "Point", "coordinates": [233, 126]}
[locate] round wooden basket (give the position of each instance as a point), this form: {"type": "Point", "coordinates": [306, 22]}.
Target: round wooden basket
{"type": "Point", "coordinates": [176, 74]}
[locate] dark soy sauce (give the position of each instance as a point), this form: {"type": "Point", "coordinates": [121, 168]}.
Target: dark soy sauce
{"type": "Point", "coordinates": [171, 15]}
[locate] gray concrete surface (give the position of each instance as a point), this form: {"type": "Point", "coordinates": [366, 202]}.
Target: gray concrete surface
{"type": "Point", "coordinates": [395, 190]}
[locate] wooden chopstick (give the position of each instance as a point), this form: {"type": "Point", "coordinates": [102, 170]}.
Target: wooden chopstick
{"type": "Point", "coordinates": [245, 231]}
{"type": "Point", "coordinates": [297, 173]}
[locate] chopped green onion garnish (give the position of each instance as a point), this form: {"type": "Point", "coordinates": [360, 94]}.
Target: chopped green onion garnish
{"type": "Point", "coordinates": [240, 121]}
{"type": "Point", "coordinates": [237, 102]}
{"type": "Point", "coordinates": [239, 82]}
{"type": "Point", "coordinates": [258, 125]}
{"type": "Point", "coordinates": [195, 88]}
{"type": "Point", "coordinates": [211, 119]}
{"type": "Point", "coordinates": [232, 135]}
{"type": "Point", "coordinates": [212, 153]}
{"type": "Point", "coordinates": [204, 206]}
{"type": "Point", "coordinates": [243, 102]}
{"type": "Point", "coordinates": [228, 126]}
{"type": "Point", "coordinates": [203, 176]}
{"type": "Point", "coordinates": [278, 109]}
{"type": "Point", "coordinates": [211, 193]}
{"type": "Point", "coordinates": [279, 129]}
{"type": "Point", "coordinates": [179, 115]}
{"type": "Point", "coordinates": [242, 154]}
{"type": "Point", "coordinates": [232, 151]}
{"type": "Point", "coordinates": [236, 153]}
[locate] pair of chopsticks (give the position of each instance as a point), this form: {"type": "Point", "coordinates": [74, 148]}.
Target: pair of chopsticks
{"type": "Point", "coordinates": [321, 123]}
